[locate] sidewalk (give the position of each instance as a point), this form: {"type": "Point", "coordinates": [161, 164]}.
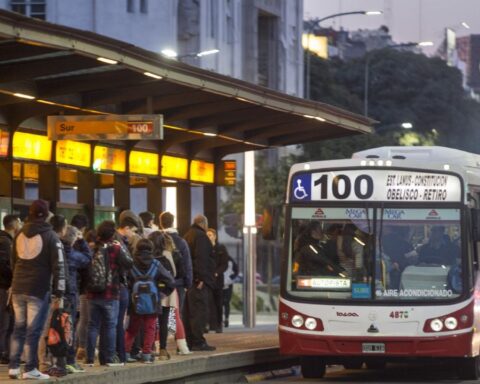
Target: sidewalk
{"type": "Point", "coordinates": [237, 348]}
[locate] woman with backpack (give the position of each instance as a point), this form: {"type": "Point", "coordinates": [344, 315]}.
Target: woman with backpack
{"type": "Point", "coordinates": [144, 278]}
{"type": "Point", "coordinates": [164, 251]}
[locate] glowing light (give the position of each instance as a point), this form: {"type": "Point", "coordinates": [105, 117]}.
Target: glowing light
{"type": "Point", "coordinates": [153, 75]}
{"type": "Point", "coordinates": [107, 61]}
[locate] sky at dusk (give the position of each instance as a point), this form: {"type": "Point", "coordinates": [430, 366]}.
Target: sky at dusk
{"type": "Point", "coordinates": [408, 20]}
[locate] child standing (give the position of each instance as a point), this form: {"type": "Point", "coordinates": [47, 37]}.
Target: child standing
{"type": "Point", "coordinates": [146, 270]}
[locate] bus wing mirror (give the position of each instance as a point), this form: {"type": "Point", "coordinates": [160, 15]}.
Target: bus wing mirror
{"type": "Point", "coordinates": [476, 223]}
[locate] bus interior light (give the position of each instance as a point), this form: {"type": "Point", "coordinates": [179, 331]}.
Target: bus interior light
{"type": "Point", "coordinates": [451, 323]}
{"type": "Point", "coordinates": [436, 325]}
{"type": "Point", "coordinates": [297, 321]}
{"type": "Point", "coordinates": [310, 323]}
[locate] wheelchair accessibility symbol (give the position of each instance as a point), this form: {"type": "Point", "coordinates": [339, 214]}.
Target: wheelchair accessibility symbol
{"type": "Point", "coordinates": [299, 192]}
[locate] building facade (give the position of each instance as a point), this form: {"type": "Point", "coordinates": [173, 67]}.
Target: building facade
{"type": "Point", "coordinates": [259, 40]}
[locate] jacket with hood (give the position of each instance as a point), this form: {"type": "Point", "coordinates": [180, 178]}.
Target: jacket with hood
{"type": "Point", "coordinates": [182, 246]}
{"type": "Point", "coordinates": [201, 248]}
{"type": "Point", "coordinates": [6, 243]}
{"type": "Point", "coordinates": [142, 260]}
{"type": "Point", "coordinates": [76, 260]}
{"type": "Point", "coordinates": [38, 261]}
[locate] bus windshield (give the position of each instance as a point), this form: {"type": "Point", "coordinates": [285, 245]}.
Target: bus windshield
{"type": "Point", "coordinates": [401, 254]}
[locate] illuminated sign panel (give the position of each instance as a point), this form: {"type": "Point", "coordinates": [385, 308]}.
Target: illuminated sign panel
{"type": "Point", "coordinates": [316, 44]}
{"type": "Point", "coordinates": [109, 159]}
{"type": "Point", "coordinates": [31, 147]}
{"type": "Point", "coordinates": [201, 171]}
{"type": "Point", "coordinates": [73, 153]}
{"type": "Point", "coordinates": [30, 172]}
{"type": "Point", "coordinates": [227, 173]}
{"type": "Point", "coordinates": [3, 143]}
{"type": "Point", "coordinates": [114, 127]}
{"type": "Point", "coordinates": [175, 167]}
{"type": "Point", "coordinates": [68, 176]}
{"type": "Point", "coordinates": [145, 163]}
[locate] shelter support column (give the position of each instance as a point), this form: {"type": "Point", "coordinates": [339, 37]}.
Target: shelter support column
{"type": "Point", "coordinates": [154, 195]}
{"type": "Point", "coordinates": [86, 193]}
{"type": "Point", "coordinates": [6, 175]}
{"type": "Point", "coordinates": [121, 191]}
{"type": "Point", "coordinates": [210, 205]}
{"type": "Point", "coordinates": [184, 207]}
{"type": "Point", "coordinates": [48, 184]}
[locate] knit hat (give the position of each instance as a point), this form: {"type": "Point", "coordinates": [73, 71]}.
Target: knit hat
{"type": "Point", "coordinates": [38, 210]}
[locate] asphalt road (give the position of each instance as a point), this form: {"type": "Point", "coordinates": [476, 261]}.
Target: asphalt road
{"type": "Point", "coordinates": [440, 372]}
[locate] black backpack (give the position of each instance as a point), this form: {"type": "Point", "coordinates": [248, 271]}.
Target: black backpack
{"type": "Point", "coordinates": [178, 261]}
{"type": "Point", "coordinates": [99, 271]}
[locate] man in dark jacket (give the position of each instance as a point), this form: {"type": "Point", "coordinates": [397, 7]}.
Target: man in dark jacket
{"type": "Point", "coordinates": [166, 225]}
{"type": "Point", "coordinates": [37, 260]}
{"type": "Point", "coordinates": [196, 306]}
{"type": "Point", "coordinates": [12, 225]}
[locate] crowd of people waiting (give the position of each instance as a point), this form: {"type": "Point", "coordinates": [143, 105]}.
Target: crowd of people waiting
{"type": "Point", "coordinates": [70, 294]}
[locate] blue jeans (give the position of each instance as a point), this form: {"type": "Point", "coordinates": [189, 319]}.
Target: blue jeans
{"type": "Point", "coordinates": [120, 338]}
{"type": "Point", "coordinates": [30, 316]}
{"type": "Point", "coordinates": [102, 313]}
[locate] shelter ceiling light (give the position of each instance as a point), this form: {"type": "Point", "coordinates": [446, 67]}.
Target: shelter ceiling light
{"type": "Point", "coordinates": [209, 52]}
{"type": "Point", "coordinates": [108, 61]}
{"type": "Point", "coordinates": [153, 75]}
{"type": "Point", "coordinates": [425, 44]}
{"type": "Point", "coordinates": [24, 96]}
{"type": "Point", "coordinates": [210, 134]}
{"type": "Point", "coordinates": [407, 125]}
{"type": "Point", "coordinates": [373, 13]}
{"type": "Point", "coordinates": [465, 25]}
{"type": "Point", "coordinates": [170, 53]}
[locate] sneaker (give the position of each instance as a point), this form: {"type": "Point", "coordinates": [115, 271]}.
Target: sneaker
{"type": "Point", "coordinates": [89, 363]}
{"type": "Point", "coordinates": [147, 358]}
{"type": "Point", "coordinates": [14, 373]}
{"type": "Point", "coordinates": [115, 364]}
{"type": "Point", "coordinates": [163, 355]}
{"type": "Point", "coordinates": [130, 359]}
{"type": "Point", "coordinates": [225, 323]}
{"type": "Point", "coordinates": [203, 347]}
{"type": "Point", "coordinates": [35, 374]}
{"type": "Point", "coordinates": [56, 372]}
{"type": "Point", "coordinates": [74, 368]}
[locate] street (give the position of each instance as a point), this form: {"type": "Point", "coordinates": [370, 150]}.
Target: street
{"type": "Point", "coordinates": [394, 373]}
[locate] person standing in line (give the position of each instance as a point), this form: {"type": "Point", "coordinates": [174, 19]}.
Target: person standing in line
{"type": "Point", "coordinates": [38, 265]}
{"type": "Point", "coordinates": [103, 306]}
{"type": "Point", "coordinates": [229, 277]}
{"type": "Point", "coordinates": [166, 224]}
{"type": "Point", "coordinates": [196, 304]}
{"type": "Point", "coordinates": [220, 256]}
{"type": "Point", "coordinates": [12, 225]}
{"type": "Point", "coordinates": [149, 226]}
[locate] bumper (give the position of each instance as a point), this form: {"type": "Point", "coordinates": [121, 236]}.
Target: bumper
{"type": "Point", "coordinates": [292, 343]}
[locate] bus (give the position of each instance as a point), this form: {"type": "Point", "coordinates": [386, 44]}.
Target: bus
{"type": "Point", "coordinates": [380, 260]}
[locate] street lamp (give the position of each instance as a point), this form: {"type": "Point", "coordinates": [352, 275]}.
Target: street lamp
{"type": "Point", "coordinates": [367, 67]}
{"type": "Point", "coordinates": [404, 125]}
{"type": "Point", "coordinates": [316, 22]}
{"type": "Point", "coordinates": [171, 54]}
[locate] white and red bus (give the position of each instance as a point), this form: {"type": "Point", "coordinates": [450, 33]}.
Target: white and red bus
{"type": "Point", "coordinates": [381, 260]}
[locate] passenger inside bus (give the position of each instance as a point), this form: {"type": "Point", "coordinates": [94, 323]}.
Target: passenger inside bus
{"type": "Point", "coordinates": [395, 242]}
{"type": "Point", "coordinates": [310, 253]}
{"type": "Point", "coordinates": [351, 250]}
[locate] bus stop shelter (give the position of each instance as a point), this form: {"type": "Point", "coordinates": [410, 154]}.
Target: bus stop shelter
{"type": "Point", "coordinates": [51, 70]}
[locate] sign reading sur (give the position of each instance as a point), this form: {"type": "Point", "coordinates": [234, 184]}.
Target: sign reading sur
{"type": "Point", "coordinates": [105, 127]}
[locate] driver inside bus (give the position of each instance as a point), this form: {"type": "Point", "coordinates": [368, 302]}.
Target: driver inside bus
{"type": "Point", "coordinates": [310, 253]}
{"type": "Point", "coordinates": [439, 249]}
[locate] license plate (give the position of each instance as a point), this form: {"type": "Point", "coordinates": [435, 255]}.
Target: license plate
{"type": "Point", "coordinates": [373, 347]}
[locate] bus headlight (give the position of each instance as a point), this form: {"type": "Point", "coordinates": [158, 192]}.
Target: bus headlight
{"type": "Point", "coordinates": [310, 323]}
{"type": "Point", "coordinates": [436, 325]}
{"type": "Point", "coordinates": [297, 321]}
{"type": "Point", "coordinates": [451, 323]}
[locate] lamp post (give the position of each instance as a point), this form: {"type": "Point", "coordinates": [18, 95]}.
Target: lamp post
{"type": "Point", "coordinates": [403, 125]}
{"type": "Point", "coordinates": [368, 57]}
{"type": "Point", "coordinates": [311, 27]}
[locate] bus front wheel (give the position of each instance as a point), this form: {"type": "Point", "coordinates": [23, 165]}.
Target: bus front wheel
{"type": "Point", "coordinates": [470, 369]}
{"type": "Point", "coordinates": [313, 367]}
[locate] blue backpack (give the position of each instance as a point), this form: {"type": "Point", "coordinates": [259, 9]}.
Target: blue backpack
{"type": "Point", "coordinates": [145, 297]}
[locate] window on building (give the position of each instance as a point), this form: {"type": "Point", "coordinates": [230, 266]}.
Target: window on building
{"type": "Point", "coordinates": [267, 50]}
{"type": "Point", "coordinates": [31, 8]}
{"type": "Point", "coordinates": [144, 6]}
{"type": "Point", "coordinates": [130, 6]}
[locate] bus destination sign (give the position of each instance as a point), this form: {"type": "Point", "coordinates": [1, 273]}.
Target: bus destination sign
{"type": "Point", "coordinates": [105, 127]}
{"type": "Point", "coordinates": [375, 185]}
